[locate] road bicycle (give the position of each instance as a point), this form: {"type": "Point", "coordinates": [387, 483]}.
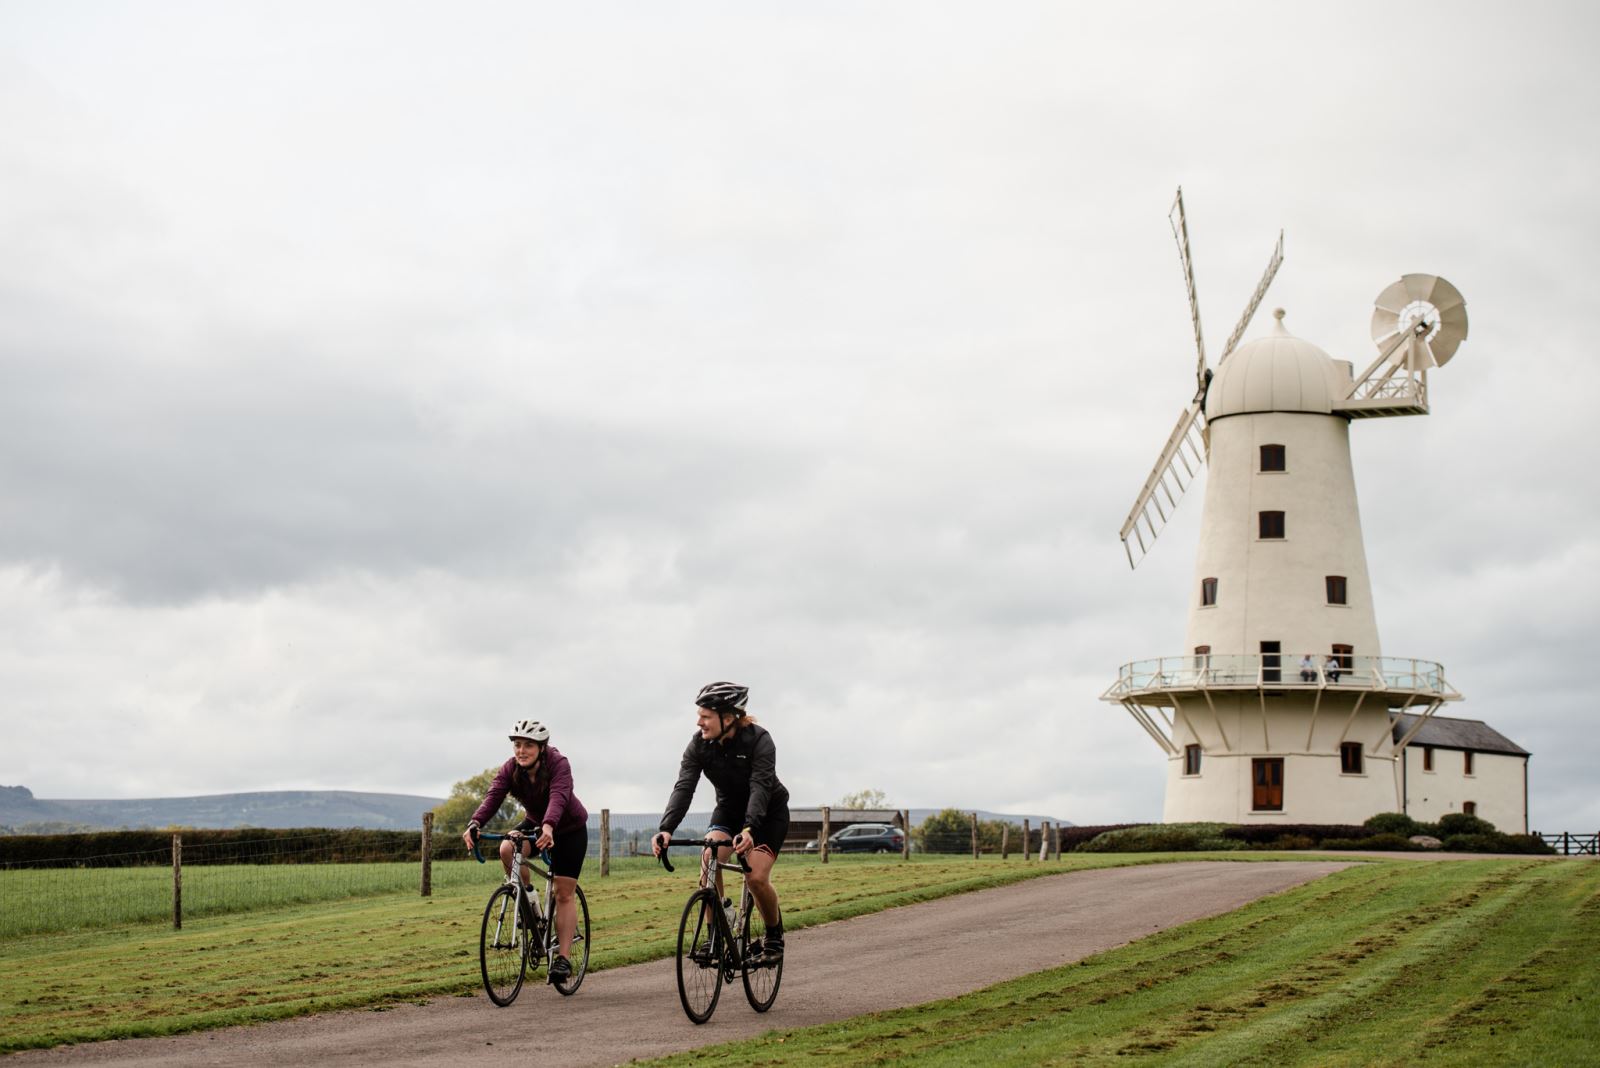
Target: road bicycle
{"type": "Point", "coordinates": [717, 941]}
{"type": "Point", "coordinates": [519, 928]}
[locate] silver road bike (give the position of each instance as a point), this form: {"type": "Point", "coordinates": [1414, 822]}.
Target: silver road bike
{"type": "Point", "coordinates": [519, 931]}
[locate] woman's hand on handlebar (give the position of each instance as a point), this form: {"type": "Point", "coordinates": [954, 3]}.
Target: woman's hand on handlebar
{"type": "Point", "coordinates": [743, 842]}
{"type": "Point", "coordinates": [470, 836]}
{"type": "Point", "coordinates": [658, 842]}
{"type": "Point", "coordinates": [546, 839]}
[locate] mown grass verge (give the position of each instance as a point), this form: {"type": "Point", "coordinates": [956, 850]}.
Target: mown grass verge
{"type": "Point", "coordinates": [88, 984]}
{"type": "Point", "coordinates": [1393, 963]}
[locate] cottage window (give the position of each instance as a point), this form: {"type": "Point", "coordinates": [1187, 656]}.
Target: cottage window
{"type": "Point", "coordinates": [1466, 762]}
{"type": "Point", "coordinates": [1427, 758]}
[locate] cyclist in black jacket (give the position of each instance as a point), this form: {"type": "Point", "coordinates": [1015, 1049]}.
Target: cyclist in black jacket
{"type": "Point", "coordinates": [740, 759]}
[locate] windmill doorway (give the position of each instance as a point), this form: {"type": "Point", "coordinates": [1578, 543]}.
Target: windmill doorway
{"type": "Point", "coordinates": [1266, 794]}
{"type": "Point", "coordinates": [1271, 662]}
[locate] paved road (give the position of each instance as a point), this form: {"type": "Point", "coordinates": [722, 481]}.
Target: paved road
{"type": "Point", "coordinates": [890, 959]}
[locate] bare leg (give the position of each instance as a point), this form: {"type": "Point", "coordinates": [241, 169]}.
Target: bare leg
{"type": "Point", "coordinates": [723, 853]}
{"type": "Point", "coordinates": [566, 913]}
{"type": "Point", "coordinates": [506, 847]}
{"type": "Point", "coordinates": [760, 880]}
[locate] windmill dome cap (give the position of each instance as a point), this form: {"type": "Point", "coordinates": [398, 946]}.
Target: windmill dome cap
{"type": "Point", "coordinates": [1275, 373]}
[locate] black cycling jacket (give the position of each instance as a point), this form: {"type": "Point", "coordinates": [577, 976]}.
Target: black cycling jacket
{"type": "Point", "coordinates": [744, 770]}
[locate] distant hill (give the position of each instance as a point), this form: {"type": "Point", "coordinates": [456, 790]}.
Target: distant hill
{"type": "Point", "coordinates": [22, 813]}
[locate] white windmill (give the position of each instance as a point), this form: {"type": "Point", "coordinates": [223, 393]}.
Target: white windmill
{"type": "Point", "coordinates": [1280, 709]}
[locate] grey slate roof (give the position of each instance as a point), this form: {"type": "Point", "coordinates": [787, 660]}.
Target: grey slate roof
{"type": "Point", "coordinates": [1446, 733]}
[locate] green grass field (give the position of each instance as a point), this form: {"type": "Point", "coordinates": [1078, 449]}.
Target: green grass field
{"type": "Point", "coordinates": [1393, 962]}
{"type": "Point", "coordinates": [1487, 962]}
{"type": "Point", "coordinates": [91, 981]}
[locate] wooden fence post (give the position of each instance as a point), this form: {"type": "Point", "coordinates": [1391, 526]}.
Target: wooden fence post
{"type": "Point", "coordinates": [1005, 841]}
{"type": "Point", "coordinates": [177, 882]}
{"type": "Point", "coordinates": [1027, 836]}
{"type": "Point", "coordinates": [1044, 840]}
{"type": "Point", "coordinates": [905, 825]}
{"type": "Point", "coordinates": [605, 842]}
{"type": "Point", "coordinates": [822, 839]}
{"type": "Point", "coordinates": [1055, 841]}
{"type": "Point", "coordinates": [427, 854]}
{"type": "Point", "coordinates": [974, 836]}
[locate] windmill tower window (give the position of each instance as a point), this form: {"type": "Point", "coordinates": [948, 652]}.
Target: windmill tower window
{"type": "Point", "coordinates": [1274, 458]}
{"type": "Point", "coordinates": [1191, 760]}
{"type": "Point", "coordinates": [1469, 808]}
{"type": "Point", "coordinates": [1337, 589]}
{"type": "Point", "coordinates": [1208, 592]}
{"type": "Point", "coordinates": [1350, 758]}
{"type": "Point", "coordinates": [1271, 525]}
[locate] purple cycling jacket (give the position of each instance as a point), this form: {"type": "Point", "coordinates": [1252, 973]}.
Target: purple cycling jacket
{"type": "Point", "coordinates": [548, 797]}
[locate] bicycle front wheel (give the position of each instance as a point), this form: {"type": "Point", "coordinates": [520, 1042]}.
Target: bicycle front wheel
{"type": "Point", "coordinates": [580, 948]}
{"type": "Point", "coordinates": [503, 947]}
{"type": "Point", "coordinates": [700, 951]}
{"type": "Point", "coordinates": [762, 978]}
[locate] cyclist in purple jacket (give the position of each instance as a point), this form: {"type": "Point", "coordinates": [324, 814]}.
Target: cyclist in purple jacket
{"type": "Point", "coordinates": [539, 777]}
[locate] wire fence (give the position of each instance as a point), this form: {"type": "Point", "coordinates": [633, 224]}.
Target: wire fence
{"type": "Point", "coordinates": [80, 884]}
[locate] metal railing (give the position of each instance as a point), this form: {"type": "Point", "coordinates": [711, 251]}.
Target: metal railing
{"type": "Point", "coordinates": [1256, 671]}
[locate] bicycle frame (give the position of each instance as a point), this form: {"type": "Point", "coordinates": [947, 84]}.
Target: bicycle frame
{"type": "Point", "coordinates": [710, 865]}
{"type": "Point", "coordinates": [540, 903]}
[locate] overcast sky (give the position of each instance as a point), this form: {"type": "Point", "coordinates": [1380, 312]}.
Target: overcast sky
{"type": "Point", "coordinates": [372, 375]}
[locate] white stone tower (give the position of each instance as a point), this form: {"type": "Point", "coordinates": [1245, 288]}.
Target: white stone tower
{"type": "Point", "coordinates": [1281, 706]}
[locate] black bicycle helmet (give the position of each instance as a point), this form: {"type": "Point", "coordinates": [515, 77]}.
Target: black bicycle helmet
{"type": "Point", "coordinates": [723, 697]}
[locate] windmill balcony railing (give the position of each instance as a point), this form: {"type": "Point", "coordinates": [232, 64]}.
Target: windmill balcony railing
{"type": "Point", "coordinates": [1392, 389]}
{"type": "Point", "coordinates": [1214, 671]}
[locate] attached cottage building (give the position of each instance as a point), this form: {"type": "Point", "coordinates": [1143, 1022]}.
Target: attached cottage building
{"type": "Point", "coordinates": [1464, 765]}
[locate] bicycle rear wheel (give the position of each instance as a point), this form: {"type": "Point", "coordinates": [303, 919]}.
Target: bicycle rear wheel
{"type": "Point", "coordinates": [760, 980]}
{"type": "Point", "coordinates": [580, 948]}
{"type": "Point", "coordinates": [700, 952]}
{"type": "Point", "coordinates": [503, 947]}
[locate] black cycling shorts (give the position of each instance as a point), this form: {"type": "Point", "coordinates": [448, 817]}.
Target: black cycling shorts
{"type": "Point", "coordinates": [773, 830]}
{"type": "Point", "coordinates": [566, 855]}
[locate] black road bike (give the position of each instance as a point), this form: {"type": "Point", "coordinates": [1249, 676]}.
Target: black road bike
{"type": "Point", "coordinates": [717, 941]}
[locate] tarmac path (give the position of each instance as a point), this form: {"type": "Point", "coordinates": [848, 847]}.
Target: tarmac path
{"type": "Point", "coordinates": [899, 957]}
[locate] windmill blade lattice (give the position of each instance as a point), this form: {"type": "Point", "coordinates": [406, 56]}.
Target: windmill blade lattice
{"type": "Point", "coordinates": [1179, 464]}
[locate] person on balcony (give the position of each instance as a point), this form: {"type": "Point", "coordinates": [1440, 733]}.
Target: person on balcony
{"type": "Point", "coordinates": [1308, 668]}
{"type": "Point", "coordinates": [1333, 668]}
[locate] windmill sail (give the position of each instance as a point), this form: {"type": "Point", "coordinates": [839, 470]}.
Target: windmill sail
{"type": "Point", "coordinates": [1267, 276]}
{"type": "Point", "coordinates": [1179, 464]}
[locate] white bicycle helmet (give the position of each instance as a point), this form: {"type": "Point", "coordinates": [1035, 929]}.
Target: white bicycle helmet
{"type": "Point", "coordinates": [531, 729]}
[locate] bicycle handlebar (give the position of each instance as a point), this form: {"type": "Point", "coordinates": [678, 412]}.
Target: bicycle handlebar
{"type": "Point", "coordinates": [492, 836]}
{"type": "Point", "coordinates": [699, 843]}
